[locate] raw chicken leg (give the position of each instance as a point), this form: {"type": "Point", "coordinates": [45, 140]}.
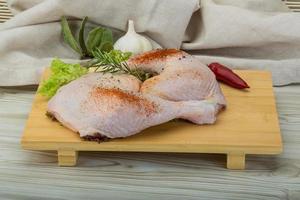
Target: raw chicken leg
{"type": "Point", "coordinates": [181, 77]}
{"type": "Point", "coordinates": [104, 105]}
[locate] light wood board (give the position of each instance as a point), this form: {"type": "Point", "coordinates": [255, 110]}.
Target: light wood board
{"type": "Point", "coordinates": [26, 174]}
{"type": "Point", "coordinates": [249, 125]}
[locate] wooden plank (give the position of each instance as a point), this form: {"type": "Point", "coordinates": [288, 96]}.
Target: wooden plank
{"type": "Point", "coordinates": [236, 160]}
{"type": "Point", "coordinates": [5, 13]}
{"type": "Point", "coordinates": [233, 132]}
{"type": "Point", "coordinates": [67, 157]}
{"type": "Point", "coordinates": [111, 175]}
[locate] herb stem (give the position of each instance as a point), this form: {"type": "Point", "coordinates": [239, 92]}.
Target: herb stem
{"type": "Point", "coordinates": [115, 62]}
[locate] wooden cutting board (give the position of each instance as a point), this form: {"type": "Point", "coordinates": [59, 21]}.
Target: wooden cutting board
{"type": "Point", "coordinates": [249, 125]}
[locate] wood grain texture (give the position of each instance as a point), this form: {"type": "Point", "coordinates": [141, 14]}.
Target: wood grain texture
{"type": "Point", "coordinates": [35, 175]}
{"type": "Point", "coordinates": [232, 134]}
{"type": "Point", "coordinates": [5, 13]}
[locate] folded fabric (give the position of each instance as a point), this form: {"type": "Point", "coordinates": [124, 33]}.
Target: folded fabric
{"type": "Point", "coordinates": [33, 36]}
{"type": "Point", "coordinates": [242, 36]}
{"type": "Point", "coordinates": [247, 34]}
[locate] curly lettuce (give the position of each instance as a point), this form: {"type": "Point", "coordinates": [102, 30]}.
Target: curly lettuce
{"type": "Point", "coordinates": [119, 55]}
{"type": "Point", "coordinates": [61, 74]}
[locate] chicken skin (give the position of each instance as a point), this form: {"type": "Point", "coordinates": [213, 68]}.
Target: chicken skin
{"type": "Point", "coordinates": [181, 77]}
{"type": "Point", "coordinates": [104, 105]}
{"type": "Point", "coordinates": [92, 107]}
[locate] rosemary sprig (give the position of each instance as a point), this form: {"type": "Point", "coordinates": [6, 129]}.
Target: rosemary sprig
{"type": "Point", "coordinates": [115, 62]}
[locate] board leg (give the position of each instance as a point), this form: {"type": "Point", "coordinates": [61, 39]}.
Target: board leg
{"type": "Point", "coordinates": [67, 157]}
{"type": "Point", "coordinates": [236, 161]}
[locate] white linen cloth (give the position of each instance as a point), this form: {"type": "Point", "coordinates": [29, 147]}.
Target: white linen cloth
{"type": "Point", "coordinates": [247, 34]}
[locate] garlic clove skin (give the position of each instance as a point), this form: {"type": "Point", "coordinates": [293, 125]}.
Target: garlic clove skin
{"type": "Point", "coordinates": [132, 41]}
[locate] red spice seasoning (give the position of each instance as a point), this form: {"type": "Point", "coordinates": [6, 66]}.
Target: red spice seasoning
{"type": "Point", "coordinates": [143, 104]}
{"type": "Point", "coordinates": [158, 54]}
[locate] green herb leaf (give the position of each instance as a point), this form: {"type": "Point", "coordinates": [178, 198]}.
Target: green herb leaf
{"type": "Point", "coordinates": [61, 74]}
{"type": "Point", "coordinates": [106, 43]}
{"type": "Point", "coordinates": [94, 39]}
{"type": "Point", "coordinates": [106, 46]}
{"type": "Point", "coordinates": [98, 37]}
{"type": "Point", "coordinates": [107, 36]}
{"type": "Point", "coordinates": [68, 36]}
{"type": "Point", "coordinates": [81, 37]}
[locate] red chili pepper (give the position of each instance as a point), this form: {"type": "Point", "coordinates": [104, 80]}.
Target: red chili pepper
{"type": "Point", "coordinates": [227, 76]}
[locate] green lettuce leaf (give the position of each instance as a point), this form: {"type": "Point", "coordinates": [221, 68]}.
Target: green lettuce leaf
{"type": "Point", "coordinates": [61, 74]}
{"type": "Point", "coordinates": [119, 55]}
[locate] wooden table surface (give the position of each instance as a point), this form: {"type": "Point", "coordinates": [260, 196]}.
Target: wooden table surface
{"type": "Point", "coordinates": [35, 175]}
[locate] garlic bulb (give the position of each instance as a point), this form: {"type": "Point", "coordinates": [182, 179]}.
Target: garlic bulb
{"type": "Point", "coordinates": [132, 41]}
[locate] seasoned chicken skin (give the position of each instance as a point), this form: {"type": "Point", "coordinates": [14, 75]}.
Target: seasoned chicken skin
{"type": "Point", "coordinates": [91, 106]}
{"type": "Point", "coordinates": [181, 77]}
{"type": "Point", "coordinates": [119, 105]}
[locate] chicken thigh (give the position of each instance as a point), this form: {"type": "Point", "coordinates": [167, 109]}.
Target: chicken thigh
{"type": "Point", "coordinates": [181, 77]}
{"type": "Point", "coordinates": [103, 105]}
